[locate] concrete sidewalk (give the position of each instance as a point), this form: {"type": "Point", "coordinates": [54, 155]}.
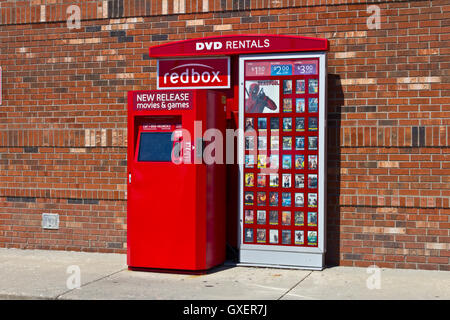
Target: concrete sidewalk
{"type": "Point", "coordinates": [39, 274]}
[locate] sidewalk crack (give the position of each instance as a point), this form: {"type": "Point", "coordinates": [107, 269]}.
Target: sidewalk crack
{"type": "Point", "coordinates": [295, 285]}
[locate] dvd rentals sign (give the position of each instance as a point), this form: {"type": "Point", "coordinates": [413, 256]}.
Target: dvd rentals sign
{"type": "Point", "coordinates": [206, 73]}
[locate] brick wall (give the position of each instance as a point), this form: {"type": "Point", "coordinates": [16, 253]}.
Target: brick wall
{"type": "Point", "coordinates": [63, 117]}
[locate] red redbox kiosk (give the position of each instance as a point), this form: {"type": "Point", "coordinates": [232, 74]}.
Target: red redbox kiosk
{"type": "Point", "coordinates": [176, 199]}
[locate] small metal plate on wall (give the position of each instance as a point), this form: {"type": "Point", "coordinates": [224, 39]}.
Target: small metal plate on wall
{"type": "Point", "coordinates": [50, 221]}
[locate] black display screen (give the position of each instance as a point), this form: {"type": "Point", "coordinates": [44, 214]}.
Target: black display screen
{"type": "Point", "coordinates": [155, 147]}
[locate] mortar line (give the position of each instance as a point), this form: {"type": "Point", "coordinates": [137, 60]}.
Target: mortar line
{"type": "Point", "coordinates": [295, 285]}
{"type": "Point", "coordinates": [88, 283]}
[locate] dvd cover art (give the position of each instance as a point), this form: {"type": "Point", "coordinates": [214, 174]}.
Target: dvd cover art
{"type": "Point", "coordinates": [312, 200]}
{"type": "Point", "coordinates": [261, 198]}
{"type": "Point", "coordinates": [261, 235]}
{"type": "Point", "coordinates": [274, 124]}
{"type": "Point", "coordinates": [287, 86]}
{"type": "Point", "coordinates": [287, 143]}
{"type": "Point", "coordinates": [274, 143]}
{"type": "Point", "coordinates": [286, 218]}
{"type": "Point", "coordinates": [300, 87]}
{"type": "Point", "coordinates": [248, 198]}
{"type": "Point", "coordinates": [287, 105]}
{"type": "Point", "coordinates": [313, 86]}
{"type": "Point", "coordinates": [312, 181]}
{"type": "Point", "coordinates": [262, 160]}
{"type": "Point", "coordinates": [287, 124]}
{"type": "Point", "coordinates": [312, 123]}
{"type": "Point", "coordinates": [300, 124]}
{"type": "Point", "coordinates": [273, 180]}
{"type": "Point", "coordinates": [249, 180]}
{"type": "Point", "coordinates": [249, 160]}
{"type": "Point", "coordinates": [248, 235]}
{"type": "Point", "coordinates": [273, 217]}
{"type": "Point", "coordinates": [261, 217]}
{"type": "Point", "coordinates": [300, 105]}
{"type": "Point", "coordinates": [312, 219]}
{"type": "Point", "coordinates": [273, 236]}
{"type": "Point", "coordinates": [286, 199]}
{"type": "Point", "coordinates": [286, 236]}
{"type": "Point", "coordinates": [261, 180]}
{"type": "Point", "coordinates": [249, 143]}
{"type": "Point", "coordinates": [262, 123]}
{"type": "Point", "coordinates": [312, 162]}
{"type": "Point", "coordinates": [287, 162]}
{"type": "Point", "coordinates": [299, 143]}
{"type": "Point", "coordinates": [312, 143]}
{"type": "Point", "coordinates": [299, 161]}
{"type": "Point", "coordinates": [249, 124]}
{"type": "Point", "coordinates": [299, 219]}
{"type": "Point", "coordinates": [273, 199]}
{"type": "Point", "coordinates": [299, 237]}
{"type": "Point", "coordinates": [262, 96]}
{"type": "Point", "coordinates": [299, 180]}
{"type": "Point", "coordinates": [249, 216]}
{"type": "Point", "coordinates": [299, 199]}
{"type": "Point", "coordinates": [274, 161]}
{"type": "Point", "coordinates": [262, 143]}
{"type": "Point", "coordinates": [312, 238]}
{"type": "Point", "coordinates": [286, 180]}
{"type": "Point", "coordinates": [313, 104]}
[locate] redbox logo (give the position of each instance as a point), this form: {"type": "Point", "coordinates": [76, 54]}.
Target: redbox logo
{"type": "Point", "coordinates": [194, 73]}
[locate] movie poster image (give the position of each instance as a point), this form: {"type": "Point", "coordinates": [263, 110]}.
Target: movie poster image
{"type": "Point", "coordinates": [312, 162]}
{"type": "Point", "coordinates": [300, 105]}
{"type": "Point", "coordinates": [299, 218]}
{"type": "Point", "coordinates": [299, 199]}
{"type": "Point", "coordinates": [312, 181]}
{"type": "Point", "coordinates": [273, 218]}
{"type": "Point", "coordinates": [312, 123]}
{"type": "Point", "coordinates": [249, 124]}
{"type": "Point", "coordinates": [313, 104]}
{"type": "Point", "coordinates": [262, 123]}
{"type": "Point", "coordinates": [249, 143]}
{"type": "Point", "coordinates": [262, 96]}
{"type": "Point", "coordinates": [274, 124]}
{"type": "Point", "coordinates": [273, 180]}
{"type": "Point", "coordinates": [299, 143]}
{"type": "Point", "coordinates": [249, 180]}
{"type": "Point", "coordinates": [300, 124]}
{"type": "Point", "coordinates": [261, 235]}
{"type": "Point", "coordinates": [273, 199]}
{"type": "Point", "coordinates": [287, 161]}
{"type": "Point", "coordinates": [312, 238]}
{"type": "Point", "coordinates": [287, 143]}
{"type": "Point", "coordinates": [287, 124]}
{"type": "Point", "coordinates": [273, 236]}
{"type": "Point", "coordinates": [286, 236]}
{"type": "Point", "coordinates": [299, 237]}
{"type": "Point", "coordinates": [261, 198]}
{"type": "Point", "coordinates": [249, 198]}
{"type": "Point", "coordinates": [313, 86]}
{"type": "Point", "coordinates": [286, 180]}
{"type": "Point", "coordinates": [286, 218]}
{"type": "Point", "coordinates": [287, 105]}
{"type": "Point", "coordinates": [312, 219]}
{"type": "Point", "coordinates": [262, 143]}
{"type": "Point", "coordinates": [249, 216]}
{"type": "Point", "coordinates": [249, 160]}
{"type": "Point", "coordinates": [248, 232]}
{"type": "Point", "coordinates": [261, 217]}
{"type": "Point", "coordinates": [312, 143]}
{"type": "Point", "coordinates": [299, 180]}
{"type": "Point", "coordinates": [261, 180]}
{"type": "Point", "coordinates": [286, 199]}
{"type": "Point", "coordinates": [312, 200]}
{"type": "Point", "coordinates": [274, 142]}
{"type": "Point", "coordinates": [287, 86]}
{"type": "Point", "coordinates": [262, 160]}
{"type": "Point", "coordinates": [299, 161]}
{"type": "Point", "coordinates": [274, 161]}
{"type": "Point", "coordinates": [300, 87]}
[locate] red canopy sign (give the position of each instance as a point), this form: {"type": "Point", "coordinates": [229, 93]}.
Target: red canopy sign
{"type": "Point", "coordinates": [238, 44]}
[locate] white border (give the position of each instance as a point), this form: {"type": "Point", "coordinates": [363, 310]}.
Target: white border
{"type": "Point", "coordinates": [194, 87]}
{"type": "Point", "coordinates": [264, 250]}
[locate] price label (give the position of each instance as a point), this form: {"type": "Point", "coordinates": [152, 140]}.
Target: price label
{"type": "Point", "coordinates": [281, 70]}
{"type": "Point", "coordinates": [305, 68]}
